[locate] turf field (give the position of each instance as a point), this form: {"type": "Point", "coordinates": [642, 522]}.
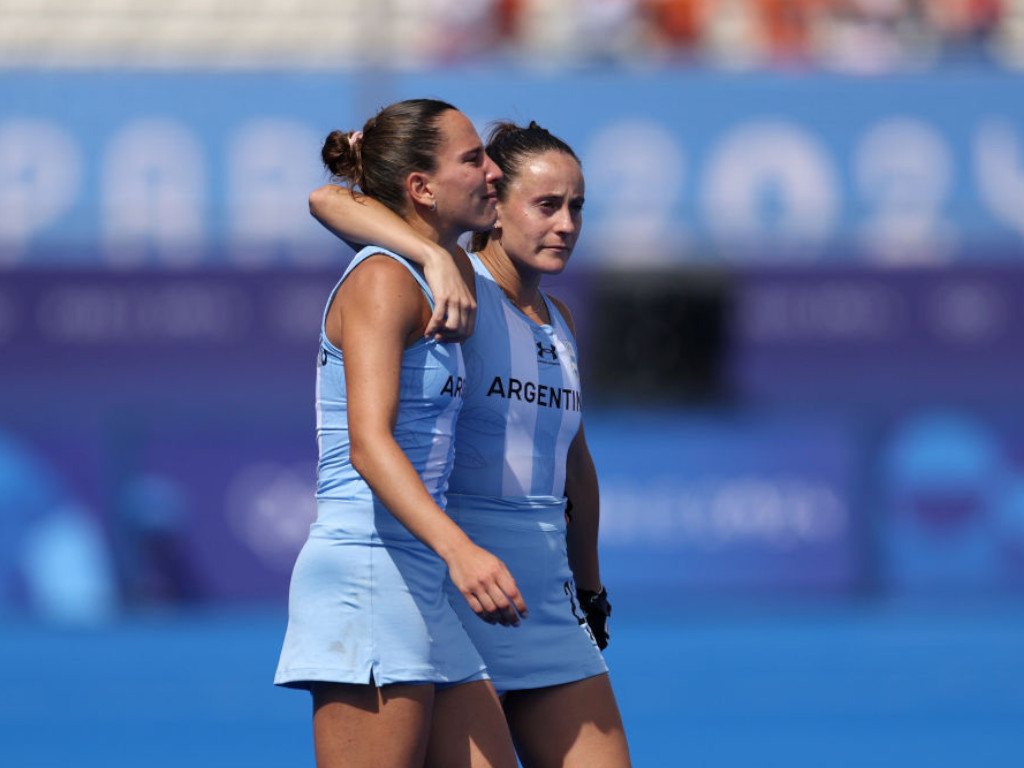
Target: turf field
{"type": "Point", "coordinates": [862, 685]}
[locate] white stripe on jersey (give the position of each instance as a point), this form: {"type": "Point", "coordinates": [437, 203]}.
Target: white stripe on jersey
{"type": "Point", "coordinates": [441, 444]}
{"type": "Point", "coordinates": [517, 479]}
{"type": "Point", "coordinates": [567, 359]}
{"type": "Point", "coordinates": [319, 407]}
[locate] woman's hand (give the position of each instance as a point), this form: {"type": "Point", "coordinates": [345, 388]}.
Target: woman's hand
{"type": "Point", "coordinates": [454, 305]}
{"type": "Point", "coordinates": [487, 586]}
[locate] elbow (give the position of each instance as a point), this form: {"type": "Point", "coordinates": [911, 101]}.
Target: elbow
{"type": "Point", "coordinates": [318, 201]}
{"type": "Point", "coordinates": [366, 450]}
{"type": "Point", "coordinates": [359, 456]}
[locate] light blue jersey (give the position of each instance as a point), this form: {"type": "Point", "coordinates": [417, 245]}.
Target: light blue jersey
{"type": "Point", "coordinates": [522, 400]}
{"type": "Point", "coordinates": [366, 603]}
{"type": "Point", "coordinates": [430, 398]}
{"type": "Point", "coordinates": [507, 491]}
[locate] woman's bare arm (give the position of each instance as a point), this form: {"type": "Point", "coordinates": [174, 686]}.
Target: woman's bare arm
{"type": "Point", "coordinates": [581, 488]}
{"type": "Point", "coordinates": [360, 220]}
{"type": "Point", "coordinates": [376, 314]}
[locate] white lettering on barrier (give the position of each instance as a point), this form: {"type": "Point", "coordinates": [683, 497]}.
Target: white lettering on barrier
{"type": "Point", "coordinates": [271, 169]}
{"type": "Point", "coordinates": [777, 513]}
{"type": "Point", "coordinates": [636, 172]}
{"type": "Point", "coordinates": [153, 195]}
{"type": "Point", "coordinates": [824, 312]}
{"type": "Point", "coordinates": [904, 173]}
{"type": "Point", "coordinates": [40, 175]}
{"type": "Point", "coordinates": [98, 314]}
{"type": "Point", "coordinates": [969, 312]}
{"type": "Point", "coordinates": [770, 188]}
{"type": "Point", "coordinates": [999, 167]}
{"type": "Point", "coordinates": [269, 507]}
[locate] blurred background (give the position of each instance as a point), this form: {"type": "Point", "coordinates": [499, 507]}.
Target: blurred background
{"type": "Point", "coordinates": [799, 300]}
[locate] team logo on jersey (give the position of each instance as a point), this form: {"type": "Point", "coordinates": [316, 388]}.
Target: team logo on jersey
{"type": "Point", "coordinates": [544, 350]}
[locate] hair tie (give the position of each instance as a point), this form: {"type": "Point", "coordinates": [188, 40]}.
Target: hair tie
{"type": "Point", "coordinates": [354, 138]}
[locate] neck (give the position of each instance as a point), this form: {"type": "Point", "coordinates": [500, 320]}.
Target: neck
{"type": "Point", "coordinates": [447, 240]}
{"type": "Point", "coordinates": [523, 290]}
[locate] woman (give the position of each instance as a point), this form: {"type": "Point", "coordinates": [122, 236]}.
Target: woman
{"type": "Point", "coordinates": [395, 679]}
{"type": "Point", "coordinates": [522, 466]}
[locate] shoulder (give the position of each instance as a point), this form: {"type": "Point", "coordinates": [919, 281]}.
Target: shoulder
{"type": "Point", "coordinates": [564, 310]}
{"type": "Point", "coordinates": [374, 265]}
{"type": "Point", "coordinates": [381, 284]}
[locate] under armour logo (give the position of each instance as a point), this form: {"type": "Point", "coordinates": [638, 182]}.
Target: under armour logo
{"type": "Point", "coordinates": [546, 350]}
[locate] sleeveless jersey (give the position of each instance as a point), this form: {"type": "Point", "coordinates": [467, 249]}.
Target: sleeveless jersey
{"type": "Point", "coordinates": [507, 492]}
{"type": "Point", "coordinates": [366, 602]}
{"type": "Point", "coordinates": [522, 401]}
{"type": "Point", "coordinates": [430, 398]}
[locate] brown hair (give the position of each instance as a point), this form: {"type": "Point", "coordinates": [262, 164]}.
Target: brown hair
{"type": "Point", "coordinates": [509, 145]}
{"type": "Point", "coordinates": [398, 140]}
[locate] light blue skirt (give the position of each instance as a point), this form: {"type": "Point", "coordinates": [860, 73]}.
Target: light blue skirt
{"type": "Point", "coordinates": [554, 645]}
{"type": "Point", "coordinates": [366, 604]}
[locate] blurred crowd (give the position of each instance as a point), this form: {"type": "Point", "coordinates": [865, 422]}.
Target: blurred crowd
{"type": "Point", "coordinates": [852, 35]}
{"type": "Point", "coordinates": [848, 35]}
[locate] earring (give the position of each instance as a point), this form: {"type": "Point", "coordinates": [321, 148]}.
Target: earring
{"type": "Point", "coordinates": [433, 205]}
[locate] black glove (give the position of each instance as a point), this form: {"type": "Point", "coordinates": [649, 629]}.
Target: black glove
{"type": "Point", "coordinates": [597, 609]}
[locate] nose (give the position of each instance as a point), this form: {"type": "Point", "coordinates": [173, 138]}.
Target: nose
{"type": "Point", "coordinates": [494, 173]}
{"type": "Point", "coordinates": [566, 222]}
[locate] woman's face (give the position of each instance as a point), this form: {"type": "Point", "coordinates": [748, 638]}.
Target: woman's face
{"type": "Point", "coordinates": [463, 182]}
{"type": "Point", "coordinates": [542, 213]}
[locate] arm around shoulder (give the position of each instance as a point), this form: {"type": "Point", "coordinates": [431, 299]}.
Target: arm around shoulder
{"type": "Point", "coordinates": [360, 220]}
{"type": "Point", "coordinates": [378, 311]}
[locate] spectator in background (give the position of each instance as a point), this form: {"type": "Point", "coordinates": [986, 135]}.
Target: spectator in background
{"type": "Point", "coordinates": [869, 36]}
{"type": "Point", "coordinates": [608, 29]}
{"type": "Point", "coordinates": [966, 27]}
{"type": "Point", "coordinates": [1008, 36]}
{"type": "Point", "coordinates": [853, 35]}
{"type": "Point", "coordinates": [461, 29]}
{"type": "Point", "coordinates": [732, 36]}
{"type": "Point", "coordinates": [675, 27]}
{"type": "Point", "coordinates": [508, 21]}
{"type": "Point", "coordinates": [788, 29]}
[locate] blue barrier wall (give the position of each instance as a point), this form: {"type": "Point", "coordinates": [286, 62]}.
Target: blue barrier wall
{"type": "Point", "coordinates": [157, 446]}
{"type": "Point", "coordinates": [857, 429]}
{"type": "Point", "coordinates": [683, 166]}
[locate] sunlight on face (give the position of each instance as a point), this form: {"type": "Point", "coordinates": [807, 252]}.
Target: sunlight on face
{"type": "Point", "coordinates": [463, 182]}
{"type": "Point", "coordinates": [542, 213]}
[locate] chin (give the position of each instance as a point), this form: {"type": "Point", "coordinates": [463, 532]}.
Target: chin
{"type": "Point", "coordinates": [482, 224]}
{"type": "Point", "coordinates": [554, 266]}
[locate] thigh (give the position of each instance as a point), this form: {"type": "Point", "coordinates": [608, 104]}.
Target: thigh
{"type": "Point", "coordinates": [575, 725]}
{"type": "Point", "coordinates": [469, 729]}
{"type": "Point", "coordinates": [363, 725]}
